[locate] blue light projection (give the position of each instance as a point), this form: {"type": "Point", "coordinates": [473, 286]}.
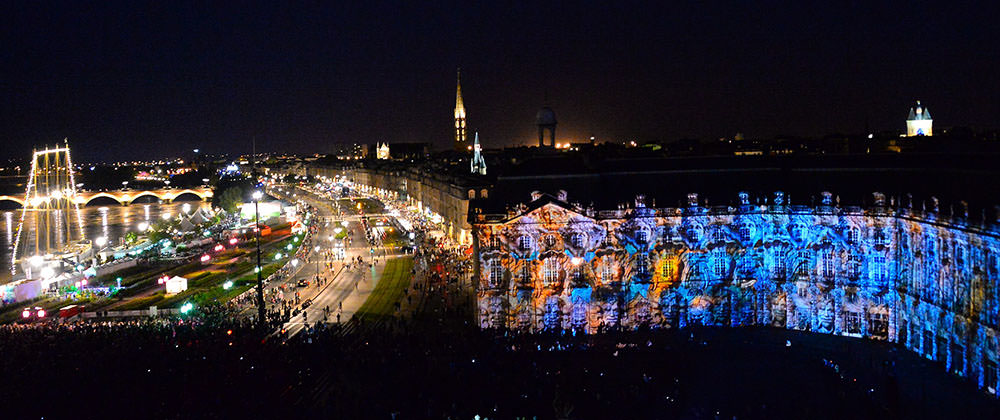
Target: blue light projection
{"type": "Point", "coordinates": [886, 273]}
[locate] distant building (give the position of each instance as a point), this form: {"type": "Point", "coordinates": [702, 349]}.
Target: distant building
{"type": "Point", "coordinates": [460, 142]}
{"type": "Point", "coordinates": [347, 151]}
{"type": "Point", "coordinates": [919, 122]}
{"type": "Point", "coordinates": [410, 150]}
{"type": "Point", "coordinates": [383, 151]}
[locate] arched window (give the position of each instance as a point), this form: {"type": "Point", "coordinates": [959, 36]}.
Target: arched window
{"type": "Point", "coordinates": [853, 235]}
{"type": "Point", "coordinates": [607, 269]}
{"type": "Point", "coordinates": [778, 265]}
{"type": "Point", "coordinates": [828, 267]}
{"type": "Point", "coordinates": [524, 242]}
{"type": "Point", "coordinates": [879, 270]}
{"type": "Point", "coordinates": [668, 265]}
{"type": "Point", "coordinates": [642, 263]}
{"type": "Point", "coordinates": [578, 240]}
{"type": "Point", "coordinates": [550, 240]}
{"type": "Point", "coordinates": [483, 194]}
{"type": "Point", "coordinates": [496, 273]}
{"type": "Point", "coordinates": [472, 194]}
{"type": "Point", "coordinates": [551, 271]}
{"type": "Point", "coordinates": [853, 266]}
{"type": "Point", "coordinates": [746, 231]}
{"type": "Point", "coordinates": [720, 263]}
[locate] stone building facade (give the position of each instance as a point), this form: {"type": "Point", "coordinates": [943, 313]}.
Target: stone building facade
{"type": "Point", "coordinates": [885, 272]}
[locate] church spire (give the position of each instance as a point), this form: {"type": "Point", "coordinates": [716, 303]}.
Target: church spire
{"type": "Point", "coordinates": [460, 143]}
{"type": "Point", "coordinates": [478, 164]}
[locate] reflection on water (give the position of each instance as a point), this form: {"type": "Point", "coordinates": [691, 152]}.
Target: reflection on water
{"type": "Point", "coordinates": [112, 222]}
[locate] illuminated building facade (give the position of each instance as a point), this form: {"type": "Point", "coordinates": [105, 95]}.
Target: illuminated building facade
{"type": "Point", "coordinates": [917, 278]}
{"type": "Point", "coordinates": [382, 152]}
{"type": "Point", "coordinates": [919, 123]}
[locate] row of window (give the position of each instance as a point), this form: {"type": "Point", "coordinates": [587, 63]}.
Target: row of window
{"type": "Point", "coordinates": [720, 267]}
{"type": "Point", "coordinates": [694, 232]}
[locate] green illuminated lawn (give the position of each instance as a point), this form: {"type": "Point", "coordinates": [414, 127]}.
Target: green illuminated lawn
{"type": "Point", "coordinates": [389, 290]}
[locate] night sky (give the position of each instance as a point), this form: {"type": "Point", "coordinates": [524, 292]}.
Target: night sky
{"type": "Point", "coordinates": [125, 81]}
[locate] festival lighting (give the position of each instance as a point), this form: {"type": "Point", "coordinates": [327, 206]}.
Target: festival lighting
{"type": "Point", "coordinates": [227, 285]}
{"type": "Point", "coordinates": [187, 307]}
{"type": "Point", "coordinates": [219, 248]}
{"type": "Point", "coordinates": [233, 241]}
{"type": "Point", "coordinates": [205, 258]}
{"type": "Point", "coordinates": [41, 313]}
{"type": "Point", "coordinates": [26, 313]}
{"type": "Point", "coordinates": [101, 241]}
{"type": "Point", "coordinates": [143, 226]}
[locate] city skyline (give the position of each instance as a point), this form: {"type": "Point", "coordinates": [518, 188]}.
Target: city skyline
{"type": "Point", "coordinates": [175, 79]}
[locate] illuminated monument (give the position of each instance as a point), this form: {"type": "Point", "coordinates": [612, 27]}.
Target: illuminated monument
{"type": "Point", "coordinates": [477, 165]}
{"type": "Point", "coordinates": [50, 225]}
{"type": "Point", "coordinates": [382, 151]}
{"type": "Point", "coordinates": [918, 278]}
{"type": "Point", "coordinates": [460, 142]}
{"type": "Point", "coordinates": [919, 123]}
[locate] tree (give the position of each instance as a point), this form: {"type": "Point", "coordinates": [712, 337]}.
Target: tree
{"type": "Point", "coordinates": [231, 199]}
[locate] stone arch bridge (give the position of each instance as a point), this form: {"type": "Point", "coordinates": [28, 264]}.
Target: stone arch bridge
{"type": "Point", "coordinates": [126, 197]}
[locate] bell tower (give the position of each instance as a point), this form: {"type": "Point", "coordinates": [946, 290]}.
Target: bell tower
{"type": "Point", "coordinates": [460, 143]}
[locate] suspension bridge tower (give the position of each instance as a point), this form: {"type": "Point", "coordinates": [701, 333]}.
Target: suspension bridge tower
{"type": "Point", "coordinates": [50, 226]}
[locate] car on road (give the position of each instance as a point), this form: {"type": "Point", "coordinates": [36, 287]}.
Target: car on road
{"type": "Point", "coordinates": [302, 283]}
{"type": "Point", "coordinates": [306, 303]}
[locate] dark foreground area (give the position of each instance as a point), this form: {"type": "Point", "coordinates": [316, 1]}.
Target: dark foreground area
{"type": "Point", "coordinates": [190, 370]}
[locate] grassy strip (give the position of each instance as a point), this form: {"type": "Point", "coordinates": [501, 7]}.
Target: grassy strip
{"type": "Point", "coordinates": [389, 290]}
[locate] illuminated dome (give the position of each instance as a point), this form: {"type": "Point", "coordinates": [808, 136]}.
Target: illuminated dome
{"type": "Point", "coordinates": [545, 116]}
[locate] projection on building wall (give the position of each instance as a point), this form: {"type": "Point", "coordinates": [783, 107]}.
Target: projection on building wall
{"type": "Point", "coordinates": [886, 273]}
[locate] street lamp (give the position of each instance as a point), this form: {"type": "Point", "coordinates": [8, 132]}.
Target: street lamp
{"type": "Point", "coordinates": [101, 241]}
{"type": "Point", "coordinates": [316, 249]}
{"type": "Point", "coordinates": [260, 281]}
{"type": "Point", "coordinates": [143, 226]}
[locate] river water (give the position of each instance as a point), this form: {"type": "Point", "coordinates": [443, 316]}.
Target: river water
{"type": "Point", "coordinates": [112, 222]}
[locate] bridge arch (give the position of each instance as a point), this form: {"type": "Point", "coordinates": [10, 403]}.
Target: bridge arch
{"type": "Point", "coordinates": [19, 201]}
{"type": "Point", "coordinates": [203, 195]}
{"type": "Point", "coordinates": [87, 200]}
{"type": "Point", "coordinates": [129, 200]}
